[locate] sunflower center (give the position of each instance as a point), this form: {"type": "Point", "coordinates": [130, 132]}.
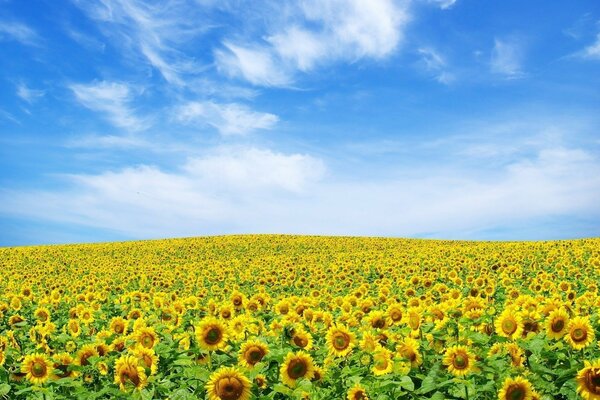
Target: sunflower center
{"type": "Point", "coordinates": [579, 335]}
{"type": "Point", "coordinates": [460, 361]}
{"type": "Point", "coordinates": [255, 354]}
{"type": "Point", "coordinates": [300, 341]}
{"type": "Point", "coordinates": [378, 323]}
{"type": "Point", "coordinates": [592, 382]}
{"type": "Point", "coordinates": [515, 392]}
{"type": "Point", "coordinates": [297, 369]}
{"type": "Point", "coordinates": [396, 315]}
{"type": "Point", "coordinates": [230, 388]}
{"type": "Point", "coordinates": [557, 325]}
{"type": "Point", "coordinates": [360, 395]}
{"type": "Point", "coordinates": [381, 362]}
{"type": "Point", "coordinates": [213, 336]}
{"type": "Point", "coordinates": [38, 369]}
{"type": "Point", "coordinates": [147, 341]}
{"type": "Point", "coordinates": [341, 341]}
{"type": "Point", "coordinates": [509, 326]}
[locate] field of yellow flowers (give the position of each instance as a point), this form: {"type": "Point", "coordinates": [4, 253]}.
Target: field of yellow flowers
{"type": "Point", "coordinates": [298, 317]}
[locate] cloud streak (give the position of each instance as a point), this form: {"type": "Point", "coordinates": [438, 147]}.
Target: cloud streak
{"type": "Point", "coordinates": [113, 100]}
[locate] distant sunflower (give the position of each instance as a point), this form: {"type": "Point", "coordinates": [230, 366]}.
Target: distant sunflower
{"type": "Point", "coordinates": [147, 358]}
{"type": "Point", "coordinates": [459, 360]}
{"type": "Point", "coordinates": [118, 326]}
{"type": "Point", "coordinates": [252, 352]}
{"type": "Point", "coordinates": [382, 361]}
{"type": "Point", "coordinates": [580, 333]}
{"type": "Point", "coordinates": [409, 349]}
{"type": "Point", "coordinates": [517, 388]}
{"type": "Point", "coordinates": [296, 366]}
{"type": "Point", "coordinates": [129, 373]}
{"type": "Point", "coordinates": [509, 324]}
{"type": "Point", "coordinates": [357, 392]}
{"type": "Point", "coordinates": [340, 340]}
{"type": "Point", "coordinates": [557, 323]}
{"type": "Point", "coordinates": [211, 334]}
{"type": "Point", "coordinates": [228, 383]}
{"type": "Point", "coordinates": [146, 337]}
{"type": "Point", "coordinates": [588, 381]}
{"type": "Point", "coordinates": [62, 363]}
{"type": "Point", "coordinates": [85, 353]}
{"type": "Point", "coordinates": [302, 339]}
{"type": "Point", "coordinates": [37, 368]}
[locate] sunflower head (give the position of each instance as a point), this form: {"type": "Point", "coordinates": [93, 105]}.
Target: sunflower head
{"type": "Point", "coordinates": [340, 340]}
{"type": "Point", "coordinates": [357, 392]}
{"type": "Point", "coordinates": [228, 384]}
{"type": "Point", "coordinates": [517, 388]}
{"type": "Point", "coordinates": [459, 360]}
{"type": "Point", "coordinates": [588, 380]}
{"type": "Point", "coordinates": [252, 352]}
{"type": "Point", "coordinates": [580, 333]}
{"type": "Point", "coordinates": [211, 334]}
{"type": "Point", "coordinates": [128, 373]}
{"type": "Point", "coordinates": [296, 366]}
{"type": "Point", "coordinates": [37, 368]}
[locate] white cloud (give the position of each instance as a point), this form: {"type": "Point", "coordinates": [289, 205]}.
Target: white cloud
{"type": "Point", "coordinates": [256, 66]}
{"type": "Point", "coordinates": [228, 119]}
{"type": "Point", "coordinates": [443, 4]}
{"type": "Point", "coordinates": [156, 31]}
{"type": "Point", "coordinates": [19, 32]}
{"type": "Point", "coordinates": [507, 57]}
{"type": "Point", "coordinates": [593, 51]}
{"type": "Point", "coordinates": [317, 33]}
{"type": "Point", "coordinates": [233, 190]}
{"type": "Point", "coordinates": [207, 193]}
{"type": "Point", "coordinates": [436, 64]}
{"type": "Point", "coordinates": [27, 94]}
{"type": "Point", "coordinates": [111, 99]}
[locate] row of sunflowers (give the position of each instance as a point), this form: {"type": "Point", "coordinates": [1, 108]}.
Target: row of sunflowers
{"type": "Point", "coordinates": [299, 317]}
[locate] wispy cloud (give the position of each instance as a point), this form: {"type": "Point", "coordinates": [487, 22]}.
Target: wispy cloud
{"type": "Point", "coordinates": [228, 119]}
{"type": "Point", "coordinates": [593, 50]}
{"type": "Point", "coordinates": [434, 63]}
{"type": "Point", "coordinates": [507, 58]}
{"type": "Point", "coordinates": [27, 94]}
{"type": "Point", "coordinates": [155, 31]}
{"type": "Point", "coordinates": [20, 32]}
{"type": "Point", "coordinates": [443, 4]}
{"type": "Point", "coordinates": [316, 33]}
{"type": "Point", "coordinates": [113, 100]}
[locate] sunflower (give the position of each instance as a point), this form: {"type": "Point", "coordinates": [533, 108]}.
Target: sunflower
{"type": "Point", "coordinates": [118, 326]}
{"type": "Point", "coordinates": [556, 323]}
{"type": "Point", "coordinates": [42, 314]}
{"type": "Point", "coordinates": [146, 337]}
{"type": "Point", "coordinates": [516, 354]}
{"type": "Point", "coordinates": [302, 339]}
{"type": "Point", "coordinates": [357, 392]}
{"type": "Point", "coordinates": [580, 333]}
{"type": "Point", "coordinates": [509, 324]}
{"type": "Point", "coordinates": [395, 314]}
{"type": "Point", "coordinates": [409, 349]}
{"type": "Point", "coordinates": [147, 358]}
{"type": "Point", "coordinates": [459, 360]}
{"type": "Point", "coordinates": [588, 381]}
{"type": "Point", "coordinates": [261, 381]}
{"type": "Point", "coordinates": [517, 388]}
{"type": "Point", "coordinates": [37, 368]}
{"type": "Point", "coordinates": [62, 362]}
{"type": "Point", "coordinates": [252, 352]}
{"type": "Point", "coordinates": [227, 383]}
{"type": "Point", "coordinates": [128, 372]}
{"type": "Point", "coordinates": [86, 352]}
{"type": "Point", "coordinates": [382, 361]}
{"type": "Point", "coordinates": [211, 334]}
{"type": "Point", "coordinates": [340, 340]}
{"type": "Point", "coordinates": [296, 366]}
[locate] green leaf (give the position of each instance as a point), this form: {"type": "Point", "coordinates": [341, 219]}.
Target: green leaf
{"type": "Point", "coordinates": [4, 389]}
{"type": "Point", "coordinates": [407, 383]}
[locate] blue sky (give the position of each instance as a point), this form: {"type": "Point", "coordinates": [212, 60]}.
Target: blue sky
{"type": "Point", "coordinates": [459, 119]}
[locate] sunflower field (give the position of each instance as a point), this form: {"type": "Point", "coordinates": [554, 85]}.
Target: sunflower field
{"type": "Point", "coordinates": [301, 317]}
